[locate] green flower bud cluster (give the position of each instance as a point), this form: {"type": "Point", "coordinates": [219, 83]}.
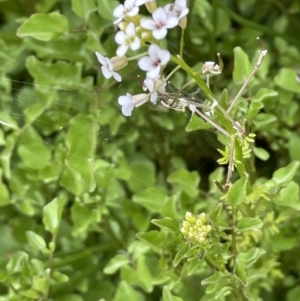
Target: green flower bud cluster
{"type": "Point", "coordinates": [195, 229]}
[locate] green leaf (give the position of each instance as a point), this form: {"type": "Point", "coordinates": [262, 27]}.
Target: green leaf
{"type": "Point", "coordinates": [83, 8]}
{"type": "Point", "coordinates": [263, 94]}
{"type": "Point", "coordinates": [237, 192]}
{"type": "Point", "coordinates": [152, 198]}
{"type": "Point", "coordinates": [37, 242]}
{"type": "Point", "coordinates": [197, 123]}
{"type": "Point", "coordinates": [250, 256]}
{"type": "Point", "coordinates": [167, 296]}
{"type": "Point", "coordinates": [60, 277]}
{"type": "Point", "coordinates": [57, 74]}
{"type": "Point", "coordinates": [287, 80]}
{"type": "Point", "coordinates": [289, 196]}
{"type": "Point", "coordinates": [285, 174]}
{"type": "Point", "coordinates": [7, 120]}
{"type": "Point", "coordinates": [249, 223]}
{"type": "Point", "coordinates": [143, 175]}
{"type": "Point", "coordinates": [239, 270]}
{"type": "Point", "coordinates": [4, 193]}
{"type": "Point", "coordinates": [180, 256]}
{"type": "Point", "coordinates": [81, 217]}
{"type": "Point", "coordinates": [44, 27]}
{"type": "Point", "coordinates": [215, 278]}
{"type": "Point", "coordinates": [167, 223]}
{"type": "Point", "coordinates": [106, 7]}
{"type": "Point", "coordinates": [242, 66]}
{"type": "Point", "coordinates": [188, 181]}
{"type": "Point", "coordinates": [261, 153]}
{"type": "Point", "coordinates": [264, 121]}
{"type": "Point", "coordinates": [78, 176]}
{"type": "Point", "coordinates": [144, 274]}
{"type": "Point", "coordinates": [155, 239]}
{"type": "Point", "coordinates": [41, 283]}
{"type": "Point", "coordinates": [30, 293]}
{"type": "Point", "coordinates": [126, 292]}
{"type": "Point", "coordinates": [35, 155]}
{"type": "Point", "coordinates": [52, 214]}
{"type": "Point", "coordinates": [69, 297]}
{"type": "Point", "coordinates": [254, 108]}
{"type": "Point", "coordinates": [15, 263]}
{"type": "Point", "coordinates": [115, 263]}
{"type": "Point", "coordinates": [294, 146]}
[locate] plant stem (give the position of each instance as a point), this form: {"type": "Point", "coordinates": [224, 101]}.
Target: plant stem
{"type": "Point", "coordinates": [194, 75]}
{"type": "Point", "coordinates": [216, 126]}
{"type": "Point", "coordinates": [262, 53]}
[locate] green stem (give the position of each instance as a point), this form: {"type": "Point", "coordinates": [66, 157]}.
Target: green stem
{"type": "Point", "coordinates": [181, 42]}
{"type": "Point", "coordinates": [194, 75]}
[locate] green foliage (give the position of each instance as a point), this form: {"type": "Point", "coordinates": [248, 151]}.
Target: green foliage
{"type": "Point", "coordinates": [96, 206]}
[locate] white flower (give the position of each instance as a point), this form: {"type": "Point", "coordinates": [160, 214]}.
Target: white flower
{"type": "Point", "coordinates": [127, 39]}
{"type": "Point", "coordinates": [156, 84]}
{"type": "Point", "coordinates": [151, 5]}
{"type": "Point", "coordinates": [141, 2]}
{"type": "Point", "coordinates": [177, 9]}
{"type": "Point", "coordinates": [211, 67]}
{"type": "Point", "coordinates": [152, 63]}
{"type": "Point", "coordinates": [127, 9]}
{"type": "Point", "coordinates": [108, 67]}
{"type": "Point", "coordinates": [160, 23]}
{"type": "Point", "coordinates": [128, 102]}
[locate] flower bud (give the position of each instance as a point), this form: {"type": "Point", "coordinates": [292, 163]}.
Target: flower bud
{"type": "Point", "coordinates": [119, 62]}
{"type": "Point", "coordinates": [186, 224]}
{"type": "Point", "coordinates": [202, 217]}
{"type": "Point", "coordinates": [201, 240]}
{"type": "Point", "coordinates": [199, 222]}
{"type": "Point", "coordinates": [190, 217]}
{"type": "Point", "coordinates": [151, 6]}
{"type": "Point", "coordinates": [146, 36]}
{"type": "Point", "coordinates": [183, 22]}
{"type": "Point", "coordinates": [140, 99]}
{"type": "Point", "coordinates": [122, 25]}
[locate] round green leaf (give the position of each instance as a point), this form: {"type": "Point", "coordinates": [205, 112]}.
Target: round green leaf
{"type": "Point", "coordinates": [115, 263]}
{"type": "Point", "coordinates": [44, 26]}
{"type": "Point", "coordinates": [248, 223]}
{"type": "Point", "coordinates": [35, 155]}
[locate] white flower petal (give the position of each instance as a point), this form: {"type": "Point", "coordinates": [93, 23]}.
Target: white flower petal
{"type": "Point", "coordinates": [148, 24]}
{"type": "Point", "coordinates": [172, 22]}
{"type": "Point", "coordinates": [164, 57]}
{"type": "Point", "coordinates": [100, 58]}
{"type": "Point", "coordinates": [119, 11]}
{"type": "Point", "coordinates": [120, 37]}
{"type": "Point", "coordinates": [127, 109]}
{"type": "Point", "coordinates": [134, 11]}
{"type": "Point", "coordinates": [159, 33]}
{"type": "Point", "coordinates": [159, 15]}
{"type": "Point", "coordinates": [153, 97]}
{"type": "Point", "coordinates": [122, 49]}
{"type": "Point", "coordinates": [107, 74]}
{"type": "Point", "coordinates": [145, 63]}
{"type": "Point", "coordinates": [154, 72]}
{"type": "Point", "coordinates": [153, 51]}
{"type": "Point", "coordinates": [117, 76]}
{"type": "Point", "coordinates": [136, 44]}
{"type": "Point", "coordinates": [130, 29]}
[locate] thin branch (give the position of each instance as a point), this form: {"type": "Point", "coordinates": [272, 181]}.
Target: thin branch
{"type": "Point", "coordinates": [262, 54]}
{"type": "Point", "coordinates": [216, 126]}
{"type": "Point", "coordinates": [230, 164]}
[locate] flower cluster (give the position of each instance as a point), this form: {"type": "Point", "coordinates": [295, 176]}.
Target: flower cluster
{"type": "Point", "coordinates": [137, 32]}
{"type": "Point", "coordinates": [195, 229]}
